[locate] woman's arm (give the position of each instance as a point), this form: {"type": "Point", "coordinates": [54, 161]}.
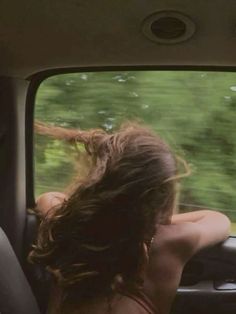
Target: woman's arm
{"type": "Point", "coordinates": [203, 228]}
{"type": "Point", "coordinates": [48, 200]}
{"type": "Point", "coordinates": [174, 244]}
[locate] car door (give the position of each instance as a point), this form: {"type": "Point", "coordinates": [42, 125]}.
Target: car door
{"type": "Point", "coordinates": [208, 282]}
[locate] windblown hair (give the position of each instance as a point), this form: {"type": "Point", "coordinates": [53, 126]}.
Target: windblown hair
{"type": "Point", "coordinates": [99, 231]}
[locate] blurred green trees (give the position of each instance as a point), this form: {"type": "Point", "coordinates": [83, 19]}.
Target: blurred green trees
{"type": "Point", "coordinates": [194, 111]}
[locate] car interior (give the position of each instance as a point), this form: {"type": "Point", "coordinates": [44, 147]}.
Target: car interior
{"type": "Point", "coordinates": [47, 46]}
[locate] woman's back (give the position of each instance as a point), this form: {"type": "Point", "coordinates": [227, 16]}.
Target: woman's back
{"type": "Point", "coordinates": [120, 303]}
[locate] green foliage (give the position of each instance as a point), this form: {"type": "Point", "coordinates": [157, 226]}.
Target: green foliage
{"type": "Point", "coordinates": [193, 111]}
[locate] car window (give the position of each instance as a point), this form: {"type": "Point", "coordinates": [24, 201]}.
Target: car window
{"type": "Point", "coordinates": [193, 111]}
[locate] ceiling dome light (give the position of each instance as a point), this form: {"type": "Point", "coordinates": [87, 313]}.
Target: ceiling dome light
{"type": "Point", "coordinates": [168, 27]}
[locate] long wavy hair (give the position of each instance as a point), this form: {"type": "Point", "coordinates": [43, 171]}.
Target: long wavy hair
{"type": "Point", "coordinates": [98, 233]}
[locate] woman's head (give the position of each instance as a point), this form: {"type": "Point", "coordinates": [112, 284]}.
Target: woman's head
{"type": "Point", "coordinates": [100, 230]}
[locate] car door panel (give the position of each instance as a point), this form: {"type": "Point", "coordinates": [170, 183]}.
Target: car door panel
{"type": "Point", "coordinates": [208, 283]}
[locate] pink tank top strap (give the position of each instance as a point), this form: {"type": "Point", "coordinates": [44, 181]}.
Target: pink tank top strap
{"type": "Point", "coordinates": [143, 300]}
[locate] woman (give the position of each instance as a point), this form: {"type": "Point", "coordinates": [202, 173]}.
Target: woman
{"type": "Point", "coordinates": [114, 245]}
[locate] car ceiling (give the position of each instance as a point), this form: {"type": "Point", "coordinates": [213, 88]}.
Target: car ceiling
{"type": "Point", "coordinates": [47, 34]}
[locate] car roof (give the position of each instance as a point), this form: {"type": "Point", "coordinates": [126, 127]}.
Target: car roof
{"type": "Point", "coordinates": [41, 35]}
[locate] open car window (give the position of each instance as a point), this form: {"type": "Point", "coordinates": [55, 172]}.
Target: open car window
{"type": "Point", "coordinates": [193, 111]}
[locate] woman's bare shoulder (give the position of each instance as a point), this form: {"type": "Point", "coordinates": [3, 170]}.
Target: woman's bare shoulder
{"type": "Point", "coordinates": [169, 252]}
{"type": "Point", "coordinates": [176, 240]}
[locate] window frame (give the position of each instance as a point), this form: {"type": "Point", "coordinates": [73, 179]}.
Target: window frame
{"type": "Point", "coordinates": [38, 78]}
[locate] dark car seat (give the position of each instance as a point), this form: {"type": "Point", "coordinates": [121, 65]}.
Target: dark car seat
{"type": "Point", "coordinates": [16, 296]}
